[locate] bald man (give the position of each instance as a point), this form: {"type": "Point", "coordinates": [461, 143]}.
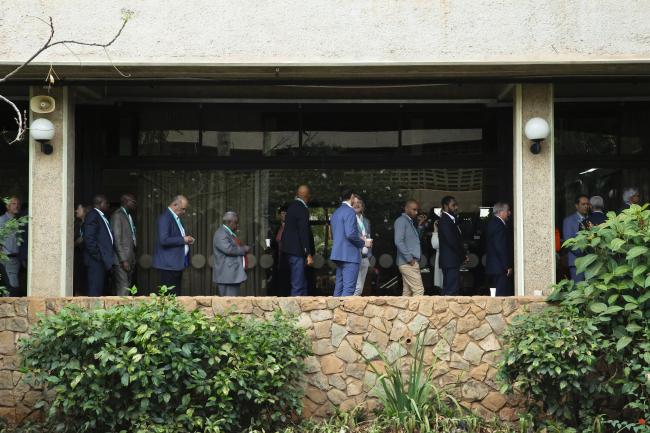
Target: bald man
{"type": "Point", "coordinates": [172, 251]}
{"type": "Point", "coordinates": [298, 241]}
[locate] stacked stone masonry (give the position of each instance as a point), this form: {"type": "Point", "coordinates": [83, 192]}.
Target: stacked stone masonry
{"type": "Point", "coordinates": [462, 344]}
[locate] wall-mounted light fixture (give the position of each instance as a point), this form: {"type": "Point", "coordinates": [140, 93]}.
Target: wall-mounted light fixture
{"type": "Point", "coordinates": [42, 130]}
{"type": "Point", "coordinates": [536, 130]}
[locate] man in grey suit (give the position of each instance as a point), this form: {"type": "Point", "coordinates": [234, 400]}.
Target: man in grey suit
{"type": "Point", "coordinates": [229, 269]}
{"type": "Point", "coordinates": [123, 228]}
{"type": "Point", "coordinates": [407, 241]}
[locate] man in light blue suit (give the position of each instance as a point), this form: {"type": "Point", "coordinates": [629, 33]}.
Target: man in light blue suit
{"type": "Point", "coordinates": [571, 226]}
{"type": "Point", "coordinates": [346, 246]}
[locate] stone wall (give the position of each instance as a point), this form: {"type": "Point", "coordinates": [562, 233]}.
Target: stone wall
{"type": "Point", "coordinates": [462, 343]}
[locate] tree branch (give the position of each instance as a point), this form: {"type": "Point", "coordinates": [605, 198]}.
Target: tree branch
{"type": "Point", "coordinates": [20, 119]}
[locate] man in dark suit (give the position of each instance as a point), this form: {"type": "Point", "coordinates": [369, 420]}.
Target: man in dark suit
{"type": "Point", "coordinates": [499, 260]}
{"type": "Point", "coordinates": [597, 215]}
{"type": "Point", "coordinates": [171, 252]}
{"type": "Point", "coordinates": [346, 245]}
{"type": "Point", "coordinates": [98, 246]}
{"type": "Point", "coordinates": [452, 251]}
{"type": "Point", "coordinates": [298, 241]}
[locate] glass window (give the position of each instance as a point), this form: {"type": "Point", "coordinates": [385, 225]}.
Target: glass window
{"type": "Point", "coordinates": [449, 131]}
{"type": "Point", "coordinates": [350, 127]}
{"type": "Point", "coordinates": [241, 129]}
{"type": "Point", "coordinates": [168, 129]}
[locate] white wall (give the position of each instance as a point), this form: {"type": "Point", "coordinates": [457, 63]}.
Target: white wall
{"type": "Point", "coordinates": [334, 31]}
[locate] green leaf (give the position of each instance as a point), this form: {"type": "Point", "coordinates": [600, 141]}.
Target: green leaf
{"type": "Point", "coordinates": [623, 342]}
{"type": "Point", "coordinates": [125, 379]}
{"type": "Point", "coordinates": [621, 270]}
{"type": "Point", "coordinates": [639, 270]}
{"type": "Point", "coordinates": [616, 244]}
{"type": "Point", "coordinates": [597, 307]}
{"type": "Point", "coordinates": [636, 252]}
{"type": "Point", "coordinates": [584, 261]}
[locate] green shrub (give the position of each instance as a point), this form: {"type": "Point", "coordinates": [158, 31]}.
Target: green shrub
{"type": "Point", "coordinates": [551, 357]}
{"type": "Point", "coordinates": [605, 319]}
{"type": "Point", "coordinates": [151, 366]}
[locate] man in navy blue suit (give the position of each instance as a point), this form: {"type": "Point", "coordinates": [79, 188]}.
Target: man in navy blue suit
{"type": "Point", "coordinates": [98, 253]}
{"type": "Point", "coordinates": [597, 215]}
{"type": "Point", "coordinates": [171, 253]}
{"type": "Point", "coordinates": [499, 259]}
{"type": "Point", "coordinates": [452, 251]}
{"type": "Point", "coordinates": [298, 241]}
{"type": "Point", "coordinates": [347, 244]}
{"type": "Point", "coordinates": [571, 226]}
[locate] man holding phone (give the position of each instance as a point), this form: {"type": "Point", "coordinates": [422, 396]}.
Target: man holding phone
{"type": "Point", "coordinates": [172, 250]}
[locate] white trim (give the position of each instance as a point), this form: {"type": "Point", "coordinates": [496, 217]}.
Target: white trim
{"type": "Point", "coordinates": [65, 209]}
{"type": "Point", "coordinates": [518, 192]}
{"type": "Point", "coordinates": [551, 149]}
{"type": "Point", "coordinates": [30, 186]}
{"type": "Point", "coordinates": [313, 64]}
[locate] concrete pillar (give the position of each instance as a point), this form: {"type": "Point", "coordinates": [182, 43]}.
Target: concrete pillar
{"type": "Point", "coordinates": [534, 195]}
{"type": "Point", "coordinates": [51, 195]}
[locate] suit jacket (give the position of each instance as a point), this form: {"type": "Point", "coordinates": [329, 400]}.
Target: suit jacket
{"type": "Point", "coordinates": [407, 240]}
{"type": "Point", "coordinates": [497, 247]}
{"type": "Point", "coordinates": [98, 246]}
{"type": "Point", "coordinates": [570, 228]}
{"type": "Point", "coordinates": [228, 259]}
{"type": "Point", "coordinates": [346, 239]}
{"type": "Point", "coordinates": [597, 218]}
{"type": "Point", "coordinates": [169, 250]}
{"type": "Point", "coordinates": [124, 245]}
{"type": "Point", "coordinates": [297, 238]}
{"type": "Point", "coordinates": [452, 251]}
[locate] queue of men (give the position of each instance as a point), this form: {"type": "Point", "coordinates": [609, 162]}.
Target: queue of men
{"type": "Point", "coordinates": [108, 245]}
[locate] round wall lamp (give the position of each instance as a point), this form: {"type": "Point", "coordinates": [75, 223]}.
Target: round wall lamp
{"type": "Point", "coordinates": [42, 130]}
{"type": "Point", "coordinates": [536, 130]}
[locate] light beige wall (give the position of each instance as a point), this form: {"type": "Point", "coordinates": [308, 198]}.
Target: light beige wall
{"type": "Point", "coordinates": [51, 195]}
{"type": "Point", "coordinates": [333, 31]}
{"type": "Point", "coordinates": [534, 193]}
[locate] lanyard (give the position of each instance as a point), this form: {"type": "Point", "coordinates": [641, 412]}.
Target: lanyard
{"type": "Point", "coordinates": [362, 226]}
{"type": "Point", "coordinates": [229, 231]}
{"type": "Point", "coordinates": [128, 216]}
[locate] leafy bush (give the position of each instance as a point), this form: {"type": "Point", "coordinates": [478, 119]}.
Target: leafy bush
{"type": "Point", "coordinates": [605, 374]}
{"type": "Point", "coordinates": [153, 367]}
{"type": "Point", "coordinates": [551, 357]}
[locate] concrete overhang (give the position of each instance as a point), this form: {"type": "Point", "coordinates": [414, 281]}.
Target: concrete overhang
{"type": "Point", "coordinates": [384, 72]}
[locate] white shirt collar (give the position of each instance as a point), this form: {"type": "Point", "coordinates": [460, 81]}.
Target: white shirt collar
{"type": "Point", "coordinates": [173, 213]}
{"type": "Point", "coordinates": [504, 223]}
{"type": "Point", "coordinates": [100, 212]}
{"type": "Point", "coordinates": [302, 201]}
{"type": "Point", "coordinates": [453, 218]}
{"type": "Point", "coordinates": [345, 202]}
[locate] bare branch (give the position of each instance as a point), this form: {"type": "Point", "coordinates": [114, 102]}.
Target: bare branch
{"type": "Point", "coordinates": [20, 121]}
{"type": "Point", "coordinates": [45, 46]}
{"type": "Point", "coordinates": [49, 44]}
